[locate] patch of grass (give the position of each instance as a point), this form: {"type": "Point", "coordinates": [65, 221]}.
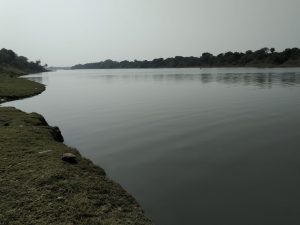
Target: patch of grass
{"type": "Point", "coordinates": [37, 187]}
{"type": "Point", "coordinates": [12, 87]}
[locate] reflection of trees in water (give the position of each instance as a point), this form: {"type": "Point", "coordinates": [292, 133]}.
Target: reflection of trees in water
{"type": "Point", "coordinates": [177, 77]}
{"type": "Point", "coordinates": [206, 78]}
{"type": "Point", "coordinates": [155, 77]}
{"type": "Point", "coordinates": [264, 80]}
{"type": "Point", "coordinates": [260, 79]}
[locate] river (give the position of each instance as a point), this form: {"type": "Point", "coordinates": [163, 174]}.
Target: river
{"type": "Point", "coordinates": [193, 146]}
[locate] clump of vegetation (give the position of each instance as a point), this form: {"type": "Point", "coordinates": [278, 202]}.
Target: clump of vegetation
{"type": "Point", "coordinates": [264, 57]}
{"type": "Point", "coordinates": [37, 187]}
{"type": "Point", "coordinates": [11, 67]}
{"type": "Point", "coordinates": [11, 63]}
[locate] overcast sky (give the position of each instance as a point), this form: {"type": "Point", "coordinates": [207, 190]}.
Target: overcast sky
{"type": "Point", "coordinates": [67, 32]}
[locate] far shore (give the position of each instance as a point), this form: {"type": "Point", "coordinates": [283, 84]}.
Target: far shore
{"type": "Point", "coordinates": [262, 58]}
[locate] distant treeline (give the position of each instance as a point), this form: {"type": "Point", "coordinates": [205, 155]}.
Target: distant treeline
{"type": "Point", "coordinates": [12, 63]}
{"type": "Point", "coordinates": [265, 57]}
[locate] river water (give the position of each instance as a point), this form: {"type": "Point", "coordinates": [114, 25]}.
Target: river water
{"type": "Point", "coordinates": [209, 146]}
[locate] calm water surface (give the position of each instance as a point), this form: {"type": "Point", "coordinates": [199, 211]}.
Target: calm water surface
{"type": "Point", "coordinates": [210, 146]}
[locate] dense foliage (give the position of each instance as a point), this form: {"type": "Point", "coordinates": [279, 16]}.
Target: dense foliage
{"type": "Point", "coordinates": [264, 57]}
{"type": "Point", "coordinates": [10, 61]}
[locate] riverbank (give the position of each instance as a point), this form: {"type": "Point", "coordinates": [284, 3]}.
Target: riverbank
{"type": "Point", "coordinates": [38, 187]}
{"type": "Point", "coordinates": [12, 87]}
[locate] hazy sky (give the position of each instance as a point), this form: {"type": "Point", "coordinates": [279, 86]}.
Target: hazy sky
{"type": "Point", "coordinates": [67, 32]}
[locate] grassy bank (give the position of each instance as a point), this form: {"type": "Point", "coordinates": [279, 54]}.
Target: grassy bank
{"type": "Point", "coordinates": [12, 87]}
{"type": "Point", "coordinates": [38, 187]}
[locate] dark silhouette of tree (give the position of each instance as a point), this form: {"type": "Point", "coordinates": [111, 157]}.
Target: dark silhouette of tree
{"type": "Point", "coordinates": [9, 60]}
{"type": "Point", "coordinates": [272, 50]}
{"type": "Point", "coordinates": [262, 57]}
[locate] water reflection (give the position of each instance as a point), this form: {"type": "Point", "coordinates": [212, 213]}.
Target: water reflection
{"type": "Point", "coordinates": [263, 80]}
{"type": "Point", "coordinates": [259, 79]}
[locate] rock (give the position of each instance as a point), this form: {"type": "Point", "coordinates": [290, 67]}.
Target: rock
{"type": "Point", "coordinates": [69, 157]}
{"type": "Point", "coordinates": [56, 134]}
{"type": "Point", "coordinates": [41, 120]}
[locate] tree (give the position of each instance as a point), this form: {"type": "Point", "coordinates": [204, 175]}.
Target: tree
{"type": "Point", "coordinates": [207, 58]}
{"type": "Point", "coordinates": [272, 50]}
{"type": "Point", "coordinates": [264, 56]}
{"type": "Point", "coordinates": [9, 59]}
